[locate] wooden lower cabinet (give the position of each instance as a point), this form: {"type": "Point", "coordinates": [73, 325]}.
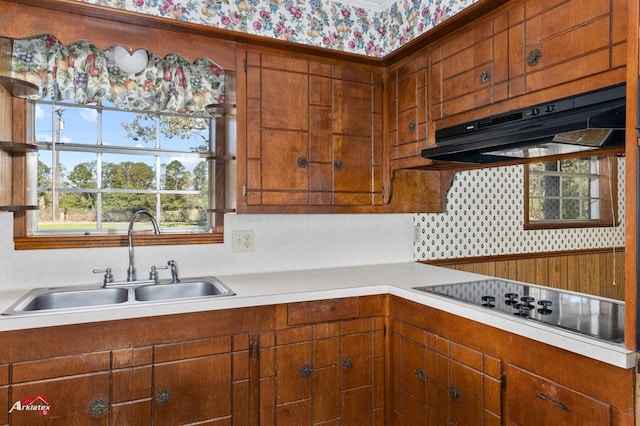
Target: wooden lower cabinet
{"type": "Point", "coordinates": [530, 395]}
{"type": "Point", "coordinates": [447, 370]}
{"type": "Point", "coordinates": [437, 381]}
{"type": "Point", "coordinates": [370, 360]}
{"type": "Point", "coordinates": [202, 380]}
{"type": "Point", "coordinates": [68, 390]}
{"type": "Point", "coordinates": [324, 373]}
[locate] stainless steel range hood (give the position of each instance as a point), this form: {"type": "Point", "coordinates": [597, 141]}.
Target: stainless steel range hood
{"type": "Point", "coordinates": [585, 122]}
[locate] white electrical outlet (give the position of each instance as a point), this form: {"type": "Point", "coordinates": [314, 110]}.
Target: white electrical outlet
{"type": "Point", "coordinates": [416, 234]}
{"type": "Point", "coordinates": [241, 241]}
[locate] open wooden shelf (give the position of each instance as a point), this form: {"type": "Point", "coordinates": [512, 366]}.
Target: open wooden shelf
{"type": "Point", "coordinates": [17, 147]}
{"type": "Point", "coordinates": [18, 88]}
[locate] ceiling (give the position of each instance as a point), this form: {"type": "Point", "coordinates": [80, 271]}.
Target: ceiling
{"type": "Point", "coordinates": [374, 5]}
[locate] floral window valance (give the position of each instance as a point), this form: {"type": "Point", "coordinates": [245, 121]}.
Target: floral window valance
{"type": "Point", "coordinates": [83, 73]}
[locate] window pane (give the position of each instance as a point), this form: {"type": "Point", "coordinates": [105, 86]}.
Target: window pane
{"type": "Point", "coordinates": [184, 134]}
{"type": "Point", "coordinates": [571, 187]}
{"type": "Point", "coordinates": [128, 172]}
{"type": "Point", "coordinates": [564, 190]}
{"type": "Point", "coordinates": [117, 208]}
{"type": "Point", "coordinates": [129, 129]}
{"type": "Point", "coordinates": [122, 162]}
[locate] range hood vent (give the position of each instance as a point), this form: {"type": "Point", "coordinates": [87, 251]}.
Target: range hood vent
{"type": "Point", "coordinates": [589, 121]}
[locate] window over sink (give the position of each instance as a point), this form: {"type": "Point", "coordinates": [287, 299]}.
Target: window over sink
{"type": "Point", "coordinates": [574, 192]}
{"type": "Point", "coordinates": [113, 140]}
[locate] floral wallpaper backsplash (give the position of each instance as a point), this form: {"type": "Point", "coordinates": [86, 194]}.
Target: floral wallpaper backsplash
{"type": "Point", "coordinates": [485, 217]}
{"type": "Point", "coordinates": [320, 23]}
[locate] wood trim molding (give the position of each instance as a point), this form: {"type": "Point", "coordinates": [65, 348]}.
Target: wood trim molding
{"type": "Point", "coordinates": [507, 257]}
{"type": "Point", "coordinates": [93, 241]}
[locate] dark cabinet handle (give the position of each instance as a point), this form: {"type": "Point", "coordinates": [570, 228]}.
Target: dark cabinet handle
{"type": "Point", "coordinates": [485, 76]}
{"type": "Point", "coordinates": [347, 363]}
{"type": "Point", "coordinates": [305, 371]}
{"type": "Point", "coordinates": [302, 162]}
{"type": "Point", "coordinates": [163, 397]}
{"type": "Point", "coordinates": [533, 58]}
{"type": "Point", "coordinates": [420, 375]}
{"type": "Point", "coordinates": [553, 401]}
{"type": "Point", "coordinates": [339, 164]}
{"type": "Point", "coordinates": [412, 126]}
{"type": "Point", "coordinates": [98, 408]}
{"type": "Point", "coordinates": [455, 393]}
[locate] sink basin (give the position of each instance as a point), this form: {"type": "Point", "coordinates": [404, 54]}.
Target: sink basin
{"type": "Point", "coordinates": [116, 294]}
{"type": "Point", "coordinates": [183, 290]}
{"type": "Point", "coordinates": [69, 298]}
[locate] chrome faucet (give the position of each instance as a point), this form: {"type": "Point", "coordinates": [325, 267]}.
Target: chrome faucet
{"type": "Point", "coordinates": [131, 271]}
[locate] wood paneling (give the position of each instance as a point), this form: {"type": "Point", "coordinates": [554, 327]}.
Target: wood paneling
{"type": "Point", "coordinates": [599, 273]}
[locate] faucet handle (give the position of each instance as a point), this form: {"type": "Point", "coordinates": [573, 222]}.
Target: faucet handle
{"type": "Point", "coordinates": [153, 273]}
{"type": "Point", "coordinates": [108, 275]}
{"type": "Point", "coordinates": [174, 271]}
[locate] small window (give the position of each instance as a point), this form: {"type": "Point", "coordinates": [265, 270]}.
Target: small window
{"type": "Point", "coordinates": [576, 192]}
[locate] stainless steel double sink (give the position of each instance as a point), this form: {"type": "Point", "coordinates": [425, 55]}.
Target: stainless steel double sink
{"type": "Point", "coordinates": [56, 299]}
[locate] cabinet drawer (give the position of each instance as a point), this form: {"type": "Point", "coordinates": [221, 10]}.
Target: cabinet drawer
{"type": "Point", "coordinates": [323, 310]}
{"type": "Point", "coordinates": [551, 403]}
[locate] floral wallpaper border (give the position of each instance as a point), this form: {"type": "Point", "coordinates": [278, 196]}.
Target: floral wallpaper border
{"type": "Point", "coordinates": [319, 23]}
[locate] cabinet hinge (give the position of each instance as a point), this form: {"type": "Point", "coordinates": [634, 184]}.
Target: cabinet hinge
{"type": "Point", "coordinates": [244, 65]}
{"type": "Point", "coordinates": [503, 382]}
{"type": "Point", "coordinates": [254, 349]}
{"type": "Point", "coordinates": [245, 190]}
{"type": "Point", "coordinates": [384, 329]}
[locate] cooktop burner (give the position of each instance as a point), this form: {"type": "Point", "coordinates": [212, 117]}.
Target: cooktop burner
{"type": "Point", "coordinates": [588, 315]}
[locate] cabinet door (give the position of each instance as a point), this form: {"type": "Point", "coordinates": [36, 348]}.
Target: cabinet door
{"type": "Point", "coordinates": [203, 380]}
{"type": "Point", "coordinates": [408, 112]}
{"type": "Point", "coordinates": [277, 146]}
{"type": "Point", "coordinates": [286, 376]}
{"type": "Point", "coordinates": [326, 373]}
{"type": "Point", "coordinates": [530, 396]}
{"type": "Point", "coordinates": [469, 69]}
{"type": "Point", "coordinates": [313, 135]}
{"type": "Point", "coordinates": [66, 390]}
{"type": "Point", "coordinates": [562, 41]}
{"type": "Point", "coordinates": [435, 381]}
{"type": "Point", "coordinates": [409, 374]}
{"type": "Point", "coordinates": [357, 136]}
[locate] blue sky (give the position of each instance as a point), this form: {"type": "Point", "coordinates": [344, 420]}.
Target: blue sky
{"type": "Point", "coordinates": [80, 125]}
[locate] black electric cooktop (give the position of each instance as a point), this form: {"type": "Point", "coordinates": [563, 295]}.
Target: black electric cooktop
{"type": "Point", "coordinates": [588, 315]}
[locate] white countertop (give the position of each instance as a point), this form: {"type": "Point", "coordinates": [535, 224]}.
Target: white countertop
{"type": "Point", "coordinates": [305, 285]}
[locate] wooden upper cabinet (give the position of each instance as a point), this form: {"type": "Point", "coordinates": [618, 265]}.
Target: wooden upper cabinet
{"type": "Point", "coordinates": [524, 53]}
{"type": "Point", "coordinates": [408, 111]}
{"type": "Point", "coordinates": [313, 135]}
{"type": "Point", "coordinates": [560, 41]}
{"type": "Point", "coordinates": [469, 68]}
